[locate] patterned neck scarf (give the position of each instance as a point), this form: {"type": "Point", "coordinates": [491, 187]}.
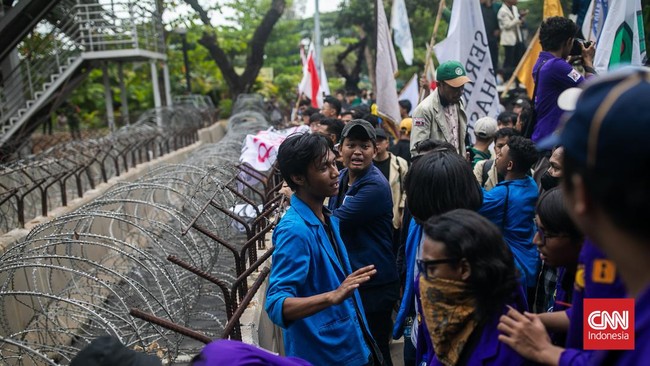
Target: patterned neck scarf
{"type": "Point", "coordinates": [449, 314]}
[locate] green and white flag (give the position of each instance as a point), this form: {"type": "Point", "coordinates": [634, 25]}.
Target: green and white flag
{"type": "Point", "coordinates": [621, 41]}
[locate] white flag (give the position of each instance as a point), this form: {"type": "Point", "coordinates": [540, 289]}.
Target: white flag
{"type": "Point", "coordinates": [466, 42]}
{"type": "Point", "coordinates": [324, 86]}
{"type": "Point", "coordinates": [387, 105]}
{"type": "Point", "coordinates": [399, 21]}
{"type": "Point", "coordinates": [596, 14]}
{"type": "Point", "coordinates": [622, 41]}
{"type": "Point", "coordinates": [411, 92]}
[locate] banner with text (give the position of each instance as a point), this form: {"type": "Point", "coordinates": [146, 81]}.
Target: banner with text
{"type": "Point", "coordinates": [467, 42]}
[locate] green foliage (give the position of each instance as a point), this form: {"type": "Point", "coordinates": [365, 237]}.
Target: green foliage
{"type": "Point", "coordinates": [225, 108]}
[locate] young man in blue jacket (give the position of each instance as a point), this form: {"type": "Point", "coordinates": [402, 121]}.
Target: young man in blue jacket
{"type": "Point", "coordinates": [364, 207]}
{"type": "Point", "coordinates": [511, 206]}
{"type": "Point", "coordinates": [311, 292]}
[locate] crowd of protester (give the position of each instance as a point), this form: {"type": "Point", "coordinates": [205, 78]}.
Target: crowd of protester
{"type": "Point", "coordinates": [489, 243]}
{"type": "Point", "coordinates": [473, 249]}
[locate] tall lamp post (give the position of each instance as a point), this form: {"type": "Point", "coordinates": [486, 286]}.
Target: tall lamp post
{"type": "Point", "coordinates": [186, 61]}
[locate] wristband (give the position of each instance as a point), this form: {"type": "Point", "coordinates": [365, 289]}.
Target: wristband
{"type": "Point", "coordinates": [590, 70]}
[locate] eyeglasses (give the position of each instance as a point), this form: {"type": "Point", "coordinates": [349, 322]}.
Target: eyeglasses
{"type": "Point", "coordinates": [428, 268]}
{"type": "Point", "coordinates": [543, 234]}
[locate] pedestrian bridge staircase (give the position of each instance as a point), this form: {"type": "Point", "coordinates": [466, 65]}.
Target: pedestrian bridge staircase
{"type": "Point", "coordinates": [81, 33]}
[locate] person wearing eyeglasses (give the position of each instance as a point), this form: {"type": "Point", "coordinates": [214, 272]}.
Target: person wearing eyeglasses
{"type": "Point", "coordinates": [467, 281]}
{"type": "Point", "coordinates": [439, 181]}
{"type": "Point", "coordinates": [558, 242]}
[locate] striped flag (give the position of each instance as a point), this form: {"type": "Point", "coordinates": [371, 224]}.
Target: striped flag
{"type": "Point", "coordinates": [310, 84]}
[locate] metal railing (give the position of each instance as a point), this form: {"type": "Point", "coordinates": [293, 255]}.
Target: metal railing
{"type": "Point", "coordinates": [37, 184]}
{"type": "Point", "coordinates": [52, 52]}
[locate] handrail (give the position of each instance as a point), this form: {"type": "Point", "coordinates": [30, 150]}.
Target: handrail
{"type": "Point", "coordinates": [85, 28]}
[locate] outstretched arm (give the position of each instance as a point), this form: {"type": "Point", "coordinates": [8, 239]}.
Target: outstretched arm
{"type": "Point", "coordinates": [295, 308]}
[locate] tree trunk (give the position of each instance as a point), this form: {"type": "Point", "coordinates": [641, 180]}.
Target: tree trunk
{"type": "Point", "coordinates": [255, 58]}
{"type": "Point", "coordinates": [353, 77]}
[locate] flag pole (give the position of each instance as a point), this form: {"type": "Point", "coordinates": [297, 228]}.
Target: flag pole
{"type": "Point", "coordinates": [436, 24]}
{"type": "Point", "coordinates": [520, 64]}
{"type": "Point", "coordinates": [317, 39]}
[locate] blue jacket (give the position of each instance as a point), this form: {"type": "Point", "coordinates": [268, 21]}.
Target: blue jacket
{"type": "Point", "coordinates": [305, 264]}
{"type": "Point", "coordinates": [519, 227]}
{"type": "Point", "coordinates": [408, 298]}
{"type": "Point", "coordinates": [366, 216]}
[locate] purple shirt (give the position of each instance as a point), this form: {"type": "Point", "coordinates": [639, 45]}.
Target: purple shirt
{"type": "Point", "coordinates": [487, 351]}
{"type": "Point", "coordinates": [555, 76]}
{"type": "Point", "coordinates": [234, 353]}
{"type": "Point", "coordinates": [589, 285]}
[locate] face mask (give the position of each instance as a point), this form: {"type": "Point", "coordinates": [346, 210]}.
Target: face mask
{"type": "Point", "coordinates": [449, 314]}
{"type": "Point", "coordinates": [548, 181]}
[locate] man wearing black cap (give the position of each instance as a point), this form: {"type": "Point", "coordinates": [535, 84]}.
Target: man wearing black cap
{"type": "Point", "coordinates": [441, 115]}
{"type": "Point", "coordinates": [365, 211]}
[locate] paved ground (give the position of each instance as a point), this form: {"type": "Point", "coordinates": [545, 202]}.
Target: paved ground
{"type": "Point", "coordinates": [396, 351]}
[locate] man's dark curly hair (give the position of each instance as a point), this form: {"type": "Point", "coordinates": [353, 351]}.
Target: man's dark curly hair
{"type": "Point", "coordinates": [555, 31]}
{"type": "Point", "coordinates": [522, 152]}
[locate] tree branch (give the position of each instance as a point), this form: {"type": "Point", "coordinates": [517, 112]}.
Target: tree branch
{"type": "Point", "coordinates": [203, 15]}
{"type": "Point", "coordinates": [255, 59]}
{"type": "Point", "coordinates": [209, 41]}
{"type": "Point", "coordinates": [351, 78]}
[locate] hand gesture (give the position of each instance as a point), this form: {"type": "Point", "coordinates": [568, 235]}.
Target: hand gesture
{"type": "Point", "coordinates": [352, 282]}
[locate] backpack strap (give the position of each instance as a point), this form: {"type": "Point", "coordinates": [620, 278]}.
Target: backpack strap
{"type": "Point", "coordinates": [486, 170]}
{"type": "Point", "coordinates": [530, 127]}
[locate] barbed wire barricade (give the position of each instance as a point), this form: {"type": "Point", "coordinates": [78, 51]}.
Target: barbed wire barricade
{"type": "Point", "coordinates": [137, 249]}
{"type": "Point", "coordinates": [32, 186]}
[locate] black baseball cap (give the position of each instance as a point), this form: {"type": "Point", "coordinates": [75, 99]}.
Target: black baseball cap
{"type": "Point", "coordinates": [360, 127]}
{"type": "Point", "coordinates": [381, 133]}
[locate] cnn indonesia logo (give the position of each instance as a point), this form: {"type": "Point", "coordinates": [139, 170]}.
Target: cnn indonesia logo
{"type": "Point", "coordinates": [609, 324]}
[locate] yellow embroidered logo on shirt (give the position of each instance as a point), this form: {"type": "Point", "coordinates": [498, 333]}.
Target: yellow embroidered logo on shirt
{"type": "Point", "coordinates": [579, 283]}
{"type": "Point", "coordinates": [604, 271]}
